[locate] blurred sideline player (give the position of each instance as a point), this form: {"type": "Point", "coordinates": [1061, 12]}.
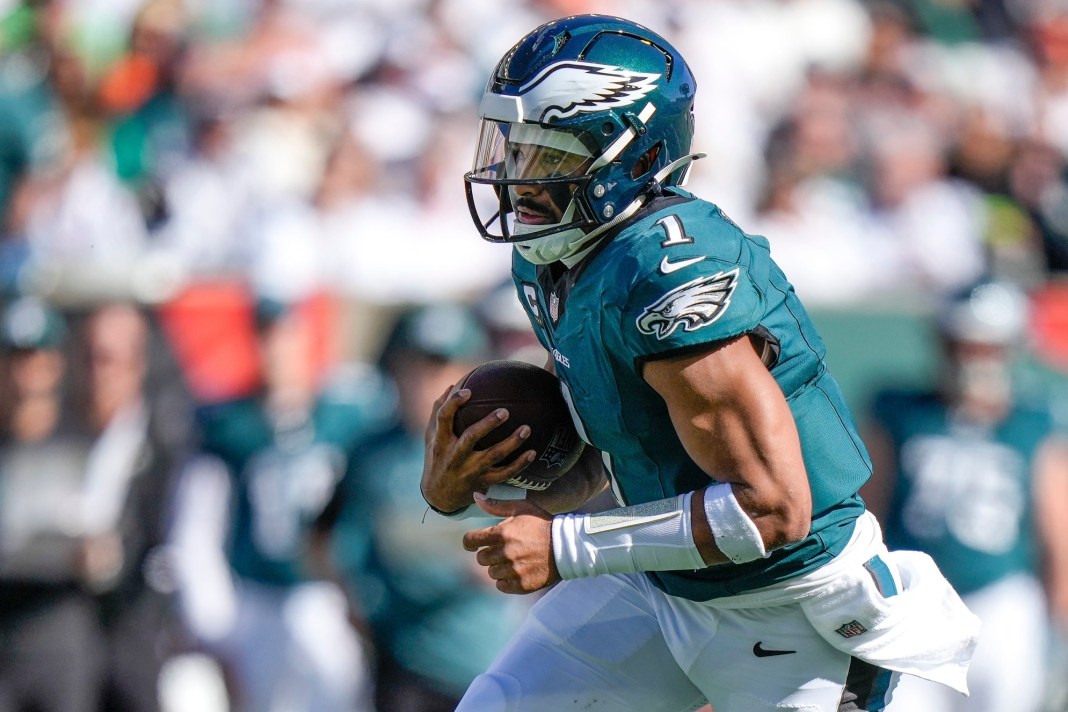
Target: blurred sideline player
{"type": "Point", "coordinates": [743, 569]}
{"type": "Point", "coordinates": [437, 621]}
{"type": "Point", "coordinates": [52, 647]}
{"type": "Point", "coordinates": [977, 477]}
{"type": "Point", "coordinates": [140, 438]}
{"type": "Point", "coordinates": [292, 645]}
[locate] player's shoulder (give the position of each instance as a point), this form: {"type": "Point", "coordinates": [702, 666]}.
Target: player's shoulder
{"type": "Point", "coordinates": [685, 274]}
{"type": "Point", "coordinates": [222, 412]}
{"type": "Point", "coordinates": [681, 229]}
{"type": "Point", "coordinates": [892, 403]}
{"type": "Point", "coordinates": [703, 220]}
{"type": "Point", "coordinates": [356, 399]}
{"type": "Point", "coordinates": [1034, 411]}
{"type": "Point", "coordinates": [357, 385]}
{"type": "Point", "coordinates": [227, 426]}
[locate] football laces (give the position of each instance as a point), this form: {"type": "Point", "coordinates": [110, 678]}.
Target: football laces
{"type": "Point", "coordinates": [525, 483]}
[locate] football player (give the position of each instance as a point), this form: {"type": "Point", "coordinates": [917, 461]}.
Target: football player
{"type": "Point", "coordinates": [975, 473]}
{"type": "Point", "coordinates": [741, 568]}
{"type": "Point", "coordinates": [293, 642]}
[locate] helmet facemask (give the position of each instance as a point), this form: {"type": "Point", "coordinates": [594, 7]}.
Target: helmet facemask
{"type": "Point", "coordinates": [538, 176]}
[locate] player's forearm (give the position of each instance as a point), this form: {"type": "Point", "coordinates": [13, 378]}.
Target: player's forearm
{"type": "Point", "coordinates": [687, 532]}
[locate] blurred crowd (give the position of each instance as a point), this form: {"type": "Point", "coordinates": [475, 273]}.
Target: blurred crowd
{"type": "Point", "coordinates": [317, 145]}
{"type": "Point", "coordinates": [237, 266]}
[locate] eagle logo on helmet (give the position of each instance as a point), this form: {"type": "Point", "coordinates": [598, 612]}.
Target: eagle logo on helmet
{"type": "Point", "coordinates": [564, 89]}
{"type": "Point", "coordinates": [692, 305]}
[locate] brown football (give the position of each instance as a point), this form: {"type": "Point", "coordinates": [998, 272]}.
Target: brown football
{"type": "Point", "coordinates": [532, 397]}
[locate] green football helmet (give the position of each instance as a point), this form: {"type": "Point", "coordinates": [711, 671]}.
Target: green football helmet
{"type": "Point", "coordinates": [594, 113]}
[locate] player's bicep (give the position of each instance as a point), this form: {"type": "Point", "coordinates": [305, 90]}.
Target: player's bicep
{"type": "Point", "coordinates": [734, 422]}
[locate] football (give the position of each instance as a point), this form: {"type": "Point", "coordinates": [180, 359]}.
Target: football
{"type": "Point", "coordinates": [532, 397]}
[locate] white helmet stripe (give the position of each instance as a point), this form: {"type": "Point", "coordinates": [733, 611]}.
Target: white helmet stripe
{"type": "Point", "coordinates": [567, 88]}
{"type": "Point", "coordinates": [499, 107]}
{"type": "Point", "coordinates": [621, 143]}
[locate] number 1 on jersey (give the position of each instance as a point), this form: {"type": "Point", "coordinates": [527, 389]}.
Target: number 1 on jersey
{"type": "Point", "coordinates": [676, 234]}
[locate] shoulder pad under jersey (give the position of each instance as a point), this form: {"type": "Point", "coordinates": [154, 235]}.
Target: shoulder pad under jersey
{"type": "Point", "coordinates": [694, 280]}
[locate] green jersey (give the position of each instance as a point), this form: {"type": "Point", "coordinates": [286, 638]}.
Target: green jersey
{"type": "Point", "coordinates": [963, 492]}
{"type": "Point", "coordinates": [284, 472]}
{"type": "Point", "coordinates": [681, 277]}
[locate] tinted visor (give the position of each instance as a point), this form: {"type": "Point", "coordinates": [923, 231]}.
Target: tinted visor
{"type": "Point", "coordinates": [511, 155]}
{"type": "Point", "coordinates": [515, 151]}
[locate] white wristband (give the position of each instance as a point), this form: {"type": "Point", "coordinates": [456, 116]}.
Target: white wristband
{"type": "Point", "coordinates": [654, 536]}
{"type": "Point", "coordinates": [735, 533]}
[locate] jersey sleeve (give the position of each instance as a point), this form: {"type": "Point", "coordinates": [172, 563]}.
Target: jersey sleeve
{"type": "Point", "coordinates": [710, 301]}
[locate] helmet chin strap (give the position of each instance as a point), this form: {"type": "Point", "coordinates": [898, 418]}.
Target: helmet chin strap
{"type": "Point", "coordinates": [576, 257]}
{"type": "Point", "coordinates": [567, 246]}
{"type": "Point", "coordinates": [551, 248]}
{"type": "Point", "coordinates": [521, 228]}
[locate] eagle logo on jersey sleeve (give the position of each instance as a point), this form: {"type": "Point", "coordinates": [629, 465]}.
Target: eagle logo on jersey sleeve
{"type": "Point", "coordinates": [567, 88]}
{"type": "Point", "coordinates": [693, 305]}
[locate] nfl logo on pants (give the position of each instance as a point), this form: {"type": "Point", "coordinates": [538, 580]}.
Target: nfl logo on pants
{"type": "Point", "coordinates": [851, 630]}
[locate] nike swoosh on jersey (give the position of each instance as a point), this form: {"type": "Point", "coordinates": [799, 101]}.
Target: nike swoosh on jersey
{"type": "Point", "coordinates": [762, 652]}
{"type": "Point", "coordinates": [667, 266]}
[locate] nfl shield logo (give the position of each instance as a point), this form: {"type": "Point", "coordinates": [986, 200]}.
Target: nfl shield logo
{"type": "Point", "coordinates": [554, 307]}
{"type": "Point", "coordinates": [559, 448]}
{"type": "Point", "coordinates": [851, 630]}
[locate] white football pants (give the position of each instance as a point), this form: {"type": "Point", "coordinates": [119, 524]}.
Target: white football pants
{"type": "Point", "coordinates": [619, 643]}
{"type": "Point", "coordinates": [1007, 672]}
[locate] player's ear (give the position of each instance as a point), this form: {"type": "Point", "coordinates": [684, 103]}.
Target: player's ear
{"type": "Point", "coordinates": [645, 162]}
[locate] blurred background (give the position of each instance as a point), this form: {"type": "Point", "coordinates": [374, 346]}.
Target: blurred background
{"type": "Point", "coordinates": [237, 265]}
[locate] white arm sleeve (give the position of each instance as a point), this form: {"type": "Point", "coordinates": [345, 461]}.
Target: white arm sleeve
{"type": "Point", "coordinates": [655, 536]}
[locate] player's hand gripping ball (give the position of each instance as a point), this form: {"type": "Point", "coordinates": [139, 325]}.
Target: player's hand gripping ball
{"type": "Point", "coordinates": [532, 397]}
